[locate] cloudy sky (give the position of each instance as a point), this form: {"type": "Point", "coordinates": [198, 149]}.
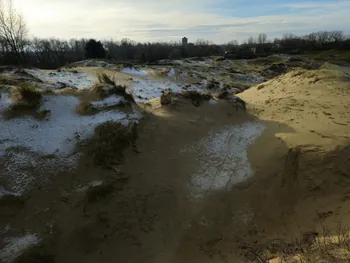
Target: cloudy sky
{"type": "Point", "coordinates": [219, 21]}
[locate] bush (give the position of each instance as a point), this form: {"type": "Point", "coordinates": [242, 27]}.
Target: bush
{"type": "Point", "coordinates": [94, 49]}
{"type": "Point", "coordinates": [196, 97]}
{"type": "Point", "coordinates": [109, 140]}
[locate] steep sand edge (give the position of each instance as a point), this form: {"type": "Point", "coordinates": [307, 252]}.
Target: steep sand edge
{"type": "Point", "coordinates": [303, 187]}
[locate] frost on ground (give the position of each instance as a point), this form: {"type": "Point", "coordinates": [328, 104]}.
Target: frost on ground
{"type": "Point", "coordinates": [108, 102]}
{"type": "Point", "coordinates": [87, 186]}
{"type": "Point", "coordinates": [145, 90]}
{"type": "Point", "coordinates": [134, 71]}
{"type": "Point", "coordinates": [15, 246]}
{"type": "Point", "coordinates": [222, 158]}
{"type": "Point", "coordinates": [24, 141]}
{"type": "Point", "coordinates": [171, 72]}
{"type": "Point", "coordinates": [79, 80]}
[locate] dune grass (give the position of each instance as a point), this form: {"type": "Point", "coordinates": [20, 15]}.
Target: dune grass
{"type": "Point", "coordinates": [111, 88]}
{"type": "Point", "coordinates": [107, 144]}
{"type": "Point", "coordinates": [26, 100]}
{"type": "Point", "coordinates": [196, 97]}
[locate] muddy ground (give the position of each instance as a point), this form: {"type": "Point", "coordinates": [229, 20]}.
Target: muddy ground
{"type": "Point", "coordinates": [189, 182]}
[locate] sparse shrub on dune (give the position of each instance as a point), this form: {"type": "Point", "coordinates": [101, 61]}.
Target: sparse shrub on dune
{"type": "Point", "coordinates": [196, 97]}
{"type": "Point", "coordinates": [212, 84]}
{"type": "Point", "coordinates": [25, 100]}
{"type": "Point", "coordinates": [28, 94]}
{"type": "Point", "coordinates": [109, 141]}
{"type": "Point", "coordinates": [105, 79]}
{"type": "Point", "coordinates": [111, 88]}
{"type": "Point", "coordinates": [167, 97]}
{"type": "Point", "coordinates": [85, 108]}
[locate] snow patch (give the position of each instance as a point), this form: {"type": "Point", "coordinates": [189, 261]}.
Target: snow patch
{"type": "Point", "coordinates": [91, 184]}
{"type": "Point", "coordinates": [171, 72]}
{"type": "Point", "coordinates": [5, 100]}
{"type": "Point", "coordinates": [108, 102]}
{"type": "Point", "coordinates": [222, 158]}
{"type": "Point", "coordinates": [213, 102]}
{"type": "Point", "coordinates": [147, 89]}
{"type": "Point", "coordinates": [24, 140]}
{"type": "Point", "coordinates": [80, 80]}
{"type": "Point", "coordinates": [15, 246]}
{"type": "Point", "coordinates": [134, 71]}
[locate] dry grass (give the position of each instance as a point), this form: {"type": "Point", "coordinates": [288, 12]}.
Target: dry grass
{"type": "Point", "coordinates": [196, 97]}
{"type": "Point", "coordinates": [108, 143]}
{"type": "Point", "coordinates": [167, 97]}
{"type": "Point", "coordinates": [85, 108]}
{"type": "Point", "coordinates": [26, 101]}
{"type": "Point", "coordinates": [104, 79]}
{"type": "Point", "coordinates": [311, 247]}
{"type": "Point", "coordinates": [212, 84]}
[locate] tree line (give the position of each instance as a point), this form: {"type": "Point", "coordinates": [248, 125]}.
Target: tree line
{"type": "Point", "coordinates": [17, 49]}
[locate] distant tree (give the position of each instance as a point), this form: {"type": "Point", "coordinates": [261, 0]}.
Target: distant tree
{"type": "Point", "coordinates": [262, 38]}
{"type": "Point", "coordinates": [13, 30]}
{"type": "Point", "coordinates": [94, 49]}
{"type": "Point", "coordinates": [251, 40]}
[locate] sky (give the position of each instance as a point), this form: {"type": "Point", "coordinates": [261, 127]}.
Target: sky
{"type": "Point", "coordinates": [219, 21]}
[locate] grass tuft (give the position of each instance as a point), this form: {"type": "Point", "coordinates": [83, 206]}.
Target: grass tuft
{"type": "Point", "coordinates": [109, 140]}
{"type": "Point", "coordinates": [103, 78]}
{"type": "Point", "coordinates": [196, 97]}
{"type": "Point", "coordinates": [85, 108]}
{"type": "Point", "coordinates": [108, 86]}
{"type": "Point", "coordinates": [26, 100]}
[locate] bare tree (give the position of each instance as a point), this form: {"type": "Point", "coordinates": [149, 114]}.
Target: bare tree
{"type": "Point", "coordinates": [262, 38]}
{"type": "Point", "coordinates": [13, 30]}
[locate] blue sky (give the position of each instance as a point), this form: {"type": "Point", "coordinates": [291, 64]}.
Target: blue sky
{"type": "Point", "coordinates": [219, 21]}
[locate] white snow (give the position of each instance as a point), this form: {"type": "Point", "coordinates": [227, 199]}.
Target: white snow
{"type": "Point", "coordinates": [171, 72]}
{"type": "Point", "coordinates": [222, 158]}
{"type": "Point", "coordinates": [91, 184]}
{"type": "Point", "coordinates": [147, 89]}
{"type": "Point", "coordinates": [80, 80]}
{"type": "Point", "coordinates": [54, 135]}
{"type": "Point", "coordinates": [108, 102]}
{"type": "Point", "coordinates": [57, 135]}
{"type": "Point", "coordinates": [3, 192]}
{"type": "Point", "coordinates": [213, 102]}
{"type": "Point", "coordinates": [15, 246]}
{"type": "Point", "coordinates": [249, 78]}
{"type": "Point", "coordinates": [5, 100]}
{"type": "Point", "coordinates": [134, 71]}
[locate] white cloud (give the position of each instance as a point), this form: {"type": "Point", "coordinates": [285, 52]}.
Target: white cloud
{"type": "Point", "coordinates": [153, 20]}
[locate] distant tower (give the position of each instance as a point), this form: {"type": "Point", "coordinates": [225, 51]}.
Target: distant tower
{"type": "Point", "coordinates": [184, 41]}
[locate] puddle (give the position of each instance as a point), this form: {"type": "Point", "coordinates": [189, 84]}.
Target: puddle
{"type": "Point", "coordinates": [222, 158]}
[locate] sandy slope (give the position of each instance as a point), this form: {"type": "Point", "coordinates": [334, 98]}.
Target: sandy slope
{"type": "Point", "coordinates": [302, 175]}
